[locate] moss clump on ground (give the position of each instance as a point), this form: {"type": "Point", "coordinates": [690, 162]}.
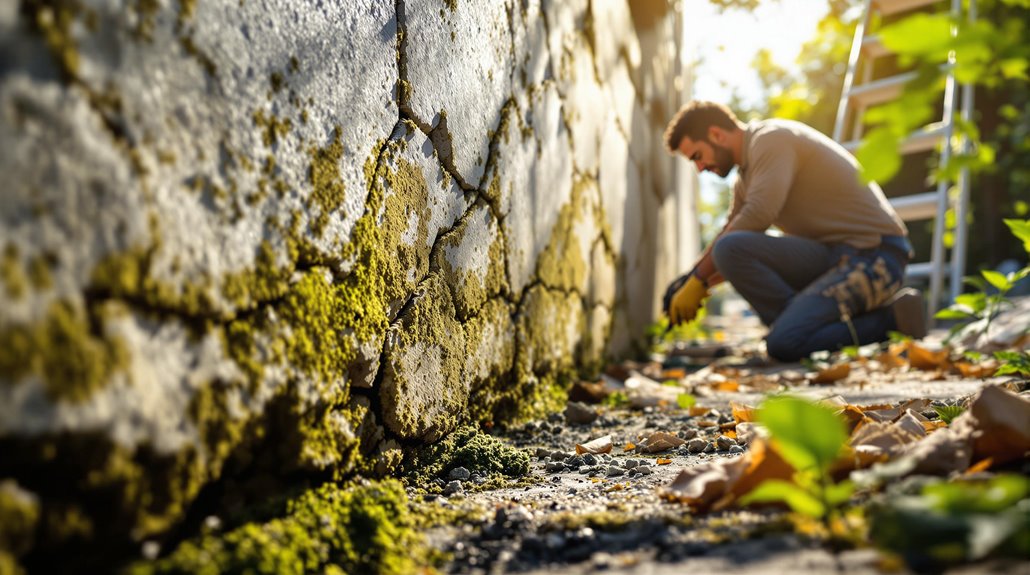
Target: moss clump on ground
{"type": "Point", "coordinates": [332, 529]}
{"type": "Point", "coordinates": [64, 351]}
{"type": "Point", "coordinates": [469, 448]}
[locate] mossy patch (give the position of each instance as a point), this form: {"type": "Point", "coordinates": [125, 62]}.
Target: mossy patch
{"type": "Point", "coordinates": [476, 248]}
{"type": "Point", "coordinates": [53, 20]}
{"type": "Point", "coordinates": [470, 448]}
{"type": "Point", "coordinates": [327, 189]}
{"type": "Point", "coordinates": [12, 273]}
{"type": "Point", "coordinates": [19, 514]}
{"type": "Point", "coordinates": [67, 350]}
{"type": "Point", "coordinates": [363, 528]}
{"type": "Point", "coordinates": [562, 263]}
{"type": "Point", "coordinates": [424, 392]}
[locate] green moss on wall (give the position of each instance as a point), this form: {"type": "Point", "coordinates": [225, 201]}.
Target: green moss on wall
{"type": "Point", "coordinates": [53, 20]}
{"type": "Point", "coordinates": [423, 391]}
{"type": "Point", "coordinates": [273, 129]}
{"type": "Point", "coordinates": [70, 356]}
{"type": "Point", "coordinates": [561, 264]}
{"type": "Point", "coordinates": [327, 189]}
{"type": "Point", "coordinates": [12, 273]}
{"type": "Point", "coordinates": [357, 528]}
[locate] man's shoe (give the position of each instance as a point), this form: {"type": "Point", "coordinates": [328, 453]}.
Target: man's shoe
{"type": "Point", "coordinates": [909, 311]}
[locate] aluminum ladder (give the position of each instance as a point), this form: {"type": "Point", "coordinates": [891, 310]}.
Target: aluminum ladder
{"type": "Point", "coordinates": [857, 97]}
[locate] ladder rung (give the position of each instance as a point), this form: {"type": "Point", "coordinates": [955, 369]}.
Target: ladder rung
{"type": "Point", "coordinates": [880, 91]}
{"type": "Point", "coordinates": [872, 47]}
{"type": "Point", "coordinates": [894, 6]}
{"type": "Point", "coordinates": [922, 269]}
{"type": "Point", "coordinates": [919, 141]}
{"type": "Point", "coordinates": [916, 206]}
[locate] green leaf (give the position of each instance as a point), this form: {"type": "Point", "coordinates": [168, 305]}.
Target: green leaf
{"type": "Point", "coordinates": [1020, 229]}
{"type": "Point", "coordinates": [948, 413]}
{"type": "Point", "coordinates": [685, 401]}
{"type": "Point", "coordinates": [952, 313]}
{"type": "Point", "coordinates": [878, 155]}
{"type": "Point", "coordinates": [838, 493]}
{"type": "Point", "coordinates": [974, 301]}
{"type": "Point", "coordinates": [808, 435]}
{"type": "Point", "coordinates": [1013, 68]}
{"type": "Point", "coordinates": [898, 337]}
{"type": "Point", "coordinates": [997, 280]}
{"type": "Point", "coordinates": [777, 490]}
{"type": "Point", "coordinates": [926, 35]}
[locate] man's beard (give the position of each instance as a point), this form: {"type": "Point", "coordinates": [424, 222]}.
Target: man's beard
{"type": "Point", "coordinates": [723, 160]}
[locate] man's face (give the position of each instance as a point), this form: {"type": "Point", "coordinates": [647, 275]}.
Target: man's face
{"type": "Point", "coordinates": [707, 156]}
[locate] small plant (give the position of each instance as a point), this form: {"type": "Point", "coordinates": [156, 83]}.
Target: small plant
{"type": "Point", "coordinates": [615, 399]}
{"type": "Point", "coordinates": [685, 401]}
{"type": "Point", "coordinates": [1013, 363]}
{"type": "Point", "coordinates": [982, 306]}
{"type": "Point", "coordinates": [948, 413]}
{"type": "Point", "coordinates": [809, 436]}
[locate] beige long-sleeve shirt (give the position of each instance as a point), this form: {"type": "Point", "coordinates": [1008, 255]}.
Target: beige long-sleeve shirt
{"type": "Point", "coordinates": [797, 179]}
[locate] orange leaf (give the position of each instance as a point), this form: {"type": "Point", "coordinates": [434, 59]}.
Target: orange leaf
{"type": "Point", "coordinates": [1003, 423]}
{"type": "Point", "coordinates": [742, 412]}
{"type": "Point", "coordinates": [662, 461]}
{"type": "Point", "coordinates": [599, 445]}
{"type": "Point", "coordinates": [697, 410]}
{"type": "Point", "coordinates": [832, 374]}
{"type": "Point", "coordinates": [674, 373]}
{"type": "Point", "coordinates": [982, 370]}
{"type": "Point", "coordinates": [921, 358]}
{"type": "Point", "coordinates": [730, 385]}
{"type": "Point", "coordinates": [982, 465]}
{"type": "Point", "coordinates": [731, 433]}
{"type": "Point", "coordinates": [630, 446]}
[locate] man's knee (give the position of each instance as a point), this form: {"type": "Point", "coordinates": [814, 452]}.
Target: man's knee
{"type": "Point", "coordinates": [732, 248]}
{"type": "Point", "coordinates": [783, 347]}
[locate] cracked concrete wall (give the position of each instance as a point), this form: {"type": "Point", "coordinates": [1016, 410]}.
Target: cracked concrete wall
{"type": "Point", "coordinates": [274, 237]}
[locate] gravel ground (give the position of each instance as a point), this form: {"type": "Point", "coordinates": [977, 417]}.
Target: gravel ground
{"type": "Point", "coordinates": [602, 513]}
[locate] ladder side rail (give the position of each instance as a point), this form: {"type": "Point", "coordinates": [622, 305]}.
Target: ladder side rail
{"type": "Point", "coordinates": [937, 247]}
{"type": "Point", "coordinates": [849, 76]}
{"type": "Point", "coordinates": [959, 251]}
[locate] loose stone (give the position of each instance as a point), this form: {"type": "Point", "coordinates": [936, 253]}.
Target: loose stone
{"type": "Point", "coordinates": [710, 448]}
{"type": "Point", "coordinates": [631, 463]}
{"type": "Point", "coordinates": [723, 443]}
{"type": "Point", "coordinates": [453, 488]}
{"type": "Point", "coordinates": [614, 471]}
{"type": "Point", "coordinates": [696, 445]}
{"type": "Point", "coordinates": [736, 450]}
{"type": "Point", "coordinates": [460, 474]}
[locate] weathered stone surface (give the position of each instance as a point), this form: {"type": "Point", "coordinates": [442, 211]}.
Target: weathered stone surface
{"type": "Point", "coordinates": [301, 237]}
{"type": "Point", "coordinates": [531, 179]}
{"type": "Point", "coordinates": [459, 68]}
{"type": "Point", "coordinates": [471, 259]}
{"type": "Point", "coordinates": [423, 392]}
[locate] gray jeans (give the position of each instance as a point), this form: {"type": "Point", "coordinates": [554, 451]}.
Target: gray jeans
{"type": "Point", "coordinates": [808, 292]}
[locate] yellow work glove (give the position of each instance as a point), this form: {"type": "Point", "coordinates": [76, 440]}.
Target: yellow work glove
{"type": "Point", "coordinates": [686, 301]}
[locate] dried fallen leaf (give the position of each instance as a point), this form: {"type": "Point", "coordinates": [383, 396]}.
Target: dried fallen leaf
{"type": "Point", "coordinates": [697, 411]}
{"type": "Point", "coordinates": [889, 361]}
{"type": "Point", "coordinates": [742, 412]}
{"type": "Point", "coordinates": [888, 414]}
{"type": "Point", "coordinates": [888, 438]}
{"type": "Point", "coordinates": [765, 464]}
{"type": "Point", "coordinates": [674, 373]}
{"type": "Point", "coordinates": [662, 461]}
{"type": "Point", "coordinates": [701, 485]}
{"type": "Point", "coordinates": [595, 446]}
{"type": "Point", "coordinates": [920, 357]}
{"type": "Point", "coordinates": [976, 370]}
{"type": "Point", "coordinates": [852, 416]}
{"type": "Point", "coordinates": [832, 374]}
{"type": "Point", "coordinates": [731, 385]}
{"type": "Point", "coordinates": [707, 423]}
{"type": "Point", "coordinates": [630, 446]}
{"type": "Point", "coordinates": [1003, 423]}
{"type": "Point", "coordinates": [982, 465]}
{"type": "Point", "coordinates": [660, 441]}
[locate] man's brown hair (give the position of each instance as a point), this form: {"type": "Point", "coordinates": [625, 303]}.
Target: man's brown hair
{"type": "Point", "coordinates": [694, 119]}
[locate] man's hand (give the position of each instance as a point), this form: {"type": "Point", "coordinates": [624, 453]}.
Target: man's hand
{"type": "Point", "coordinates": [687, 293]}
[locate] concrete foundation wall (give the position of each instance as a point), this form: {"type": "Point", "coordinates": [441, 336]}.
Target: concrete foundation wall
{"type": "Point", "coordinates": [294, 236]}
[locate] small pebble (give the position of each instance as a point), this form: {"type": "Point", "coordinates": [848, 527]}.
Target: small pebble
{"type": "Point", "coordinates": [644, 470]}
{"type": "Point", "coordinates": [555, 467]}
{"type": "Point", "coordinates": [459, 474]}
{"type": "Point", "coordinates": [542, 452]}
{"type": "Point", "coordinates": [590, 459]}
{"type": "Point", "coordinates": [644, 463]}
{"type": "Point", "coordinates": [575, 461]}
{"type": "Point", "coordinates": [578, 413]}
{"type": "Point", "coordinates": [689, 433]}
{"type": "Point", "coordinates": [696, 445]}
{"type": "Point", "coordinates": [723, 443]}
{"type": "Point", "coordinates": [453, 488]}
{"type": "Point", "coordinates": [710, 448]}
{"type": "Point", "coordinates": [631, 463]}
{"type": "Point", "coordinates": [736, 450]}
{"type": "Point", "coordinates": [614, 470]}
